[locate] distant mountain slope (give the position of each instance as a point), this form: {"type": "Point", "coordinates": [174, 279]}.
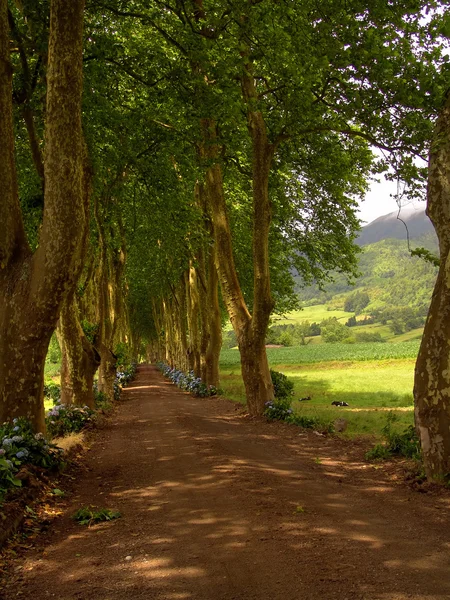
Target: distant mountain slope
{"type": "Point", "coordinates": [390, 227]}
{"type": "Point", "coordinates": [389, 274]}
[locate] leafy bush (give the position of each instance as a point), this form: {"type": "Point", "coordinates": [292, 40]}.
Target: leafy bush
{"type": "Point", "coordinates": [279, 410]}
{"type": "Point", "coordinates": [187, 381]}
{"type": "Point", "coordinates": [378, 452]}
{"type": "Point", "coordinates": [90, 330]}
{"type": "Point", "coordinates": [282, 386]}
{"type": "Point", "coordinates": [101, 399]}
{"type": "Point", "coordinates": [356, 302]}
{"type": "Point", "coordinates": [54, 351]}
{"type": "Point", "coordinates": [292, 335]}
{"type": "Point", "coordinates": [369, 336]}
{"type": "Point", "coordinates": [405, 443]}
{"type": "Point", "coordinates": [19, 445]}
{"type": "Point", "coordinates": [123, 377]}
{"type": "Point", "coordinates": [126, 375]}
{"type": "Point", "coordinates": [333, 331]}
{"type": "Point", "coordinates": [52, 391]}
{"type": "Point", "coordinates": [311, 423]}
{"type": "Point", "coordinates": [63, 419]}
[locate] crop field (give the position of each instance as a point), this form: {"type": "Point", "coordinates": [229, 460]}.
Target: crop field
{"type": "Point", "coordinates": [316, 353]}
{"type": "Point", "coordinates": [372, 378]}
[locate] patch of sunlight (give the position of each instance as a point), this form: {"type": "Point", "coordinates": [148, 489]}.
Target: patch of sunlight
{"type": "Point", "coordinates": [375, 543]}
{"type": "Point", "coordinates": [159, 568]}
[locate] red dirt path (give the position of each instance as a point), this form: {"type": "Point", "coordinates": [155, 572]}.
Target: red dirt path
{"type": "Point", "coordinates": [219, 506]}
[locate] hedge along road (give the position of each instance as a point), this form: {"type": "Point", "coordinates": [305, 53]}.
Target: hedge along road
{"type": "Point", "coordinates": [219, 506]}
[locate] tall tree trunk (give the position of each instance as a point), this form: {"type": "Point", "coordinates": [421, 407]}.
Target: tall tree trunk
{"type": "Point", "coordinates": [32, 287]}
{"type": "Point", "coordinates": [250, 330]}
{"type": "Point", "coordinates": [432, 372]}
{"type": "Point", "coordinates": [193, 319]}
{"type": "Point", "coordinates": [158, 319]}
{"type": "Point", "coordinates": [215, 325]}
{"type": "Point", "coordinates": [204, 316]}
{"type": "Point", "coordinates": [81, 356]}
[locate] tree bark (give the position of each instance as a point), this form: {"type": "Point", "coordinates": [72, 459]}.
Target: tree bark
{"type": "Point", "coordinates": [193, 320]}
{"type": "Point", "coordinates": [250, 330]}
{"type": "Point", "coordinates": [432, 372]}
{"type": "Point", "coordinates": [81, 356]}
{"type": "Point", "coordinates": [34, 286]}
{"type": "Point", "coordinates": [214, 346]}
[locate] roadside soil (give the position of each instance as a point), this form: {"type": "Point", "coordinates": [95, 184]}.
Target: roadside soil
{"type": "Point", "coordinates": [216, 505]}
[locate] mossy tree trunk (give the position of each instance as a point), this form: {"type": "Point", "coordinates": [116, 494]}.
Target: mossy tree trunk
{"type": "Point", "coordinates": [250, 329]}
{"type": "Point", "coordinates": [82, 359]}
{"type": "Point", "coordinates": [432, 372]}
{"type": "Point", "coordinates": [34, 285]}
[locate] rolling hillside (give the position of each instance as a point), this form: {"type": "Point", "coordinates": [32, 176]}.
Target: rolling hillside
{"type": "Point", "coordinates": [389, 274]}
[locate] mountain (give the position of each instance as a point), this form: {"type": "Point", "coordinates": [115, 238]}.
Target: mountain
{"type": "Point", "coordinates": [389, 275]}
{"type": "Point", "coordinates": [390, 226]}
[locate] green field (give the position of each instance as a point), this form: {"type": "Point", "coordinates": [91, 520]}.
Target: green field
{"type": "Point", "coordinates": [315, 353]}
{"type": "Point", "coordinates": [371, 378]}
{"type": "Point", "coordinates": [313, 314]}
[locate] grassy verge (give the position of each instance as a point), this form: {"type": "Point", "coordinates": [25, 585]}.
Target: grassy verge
{"type": "Point", "coordinates": [371, 388]}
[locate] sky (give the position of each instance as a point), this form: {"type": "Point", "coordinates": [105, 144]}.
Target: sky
{"type": "Point", "coordinates": [379, 201]}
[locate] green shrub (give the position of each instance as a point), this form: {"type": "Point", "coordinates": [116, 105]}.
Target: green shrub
{"type": "Point", "coordinates": [282, 386]}
{"type": "Point", "coordinates": [405, 443]}
{"type": "Point", "coordinates": [52, 391]}
{"type": "Point", "coordinates": [63, 419]}
{"type": "Point", "coordinates": [378, 452]}
{"type": "Point", "coordinates": [333, 331]}
{"type": "Point", "coordinates": [278, 410]}
{"type": "Point", "coordinates": [101, 400]}
{"type": "Point", "coordinates": [19, 445]}
{"type": "Point", "coordinates": [369, 336]}
{"type": "Point", "coordinates": [54, 351]}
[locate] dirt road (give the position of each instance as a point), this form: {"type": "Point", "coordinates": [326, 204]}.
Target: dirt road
{"type": "Point", "coordinates": [216, 506]}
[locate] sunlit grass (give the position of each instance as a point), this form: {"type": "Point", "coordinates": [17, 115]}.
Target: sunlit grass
{"type": "Point", "coordinates": [313, 314]}
{"type": "Point", "coordinates": [51, 370]}
{"type": "Point", "coordinates": [371, 388]}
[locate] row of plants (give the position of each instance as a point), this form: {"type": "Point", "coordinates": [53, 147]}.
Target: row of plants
{"type": "Point", "coordinates": [20, 446]}
{"type": "Point", "coordinates": [316, 353]}
{"type": "Point", "coordinates": [187, 381]}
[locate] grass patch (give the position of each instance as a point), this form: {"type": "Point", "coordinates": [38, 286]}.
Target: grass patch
{"type": "Point", "coordinates": [313, 314]}
{"type": "Point", "coordinates": [51, 370]}
{"type": "Point", "coordinates": [371, 388]}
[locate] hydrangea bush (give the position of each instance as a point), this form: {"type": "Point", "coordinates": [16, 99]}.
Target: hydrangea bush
{"type": "Point", "coordinates": [187, 381]}
{"type": "Point", "coordinates": [63, 419]}
{"type": "Point", "coordinates": [124, 376]}
{"type": "Point", "coordinates": [19, 445]}
{"type": "Point", "coordinates": [280, 409]}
